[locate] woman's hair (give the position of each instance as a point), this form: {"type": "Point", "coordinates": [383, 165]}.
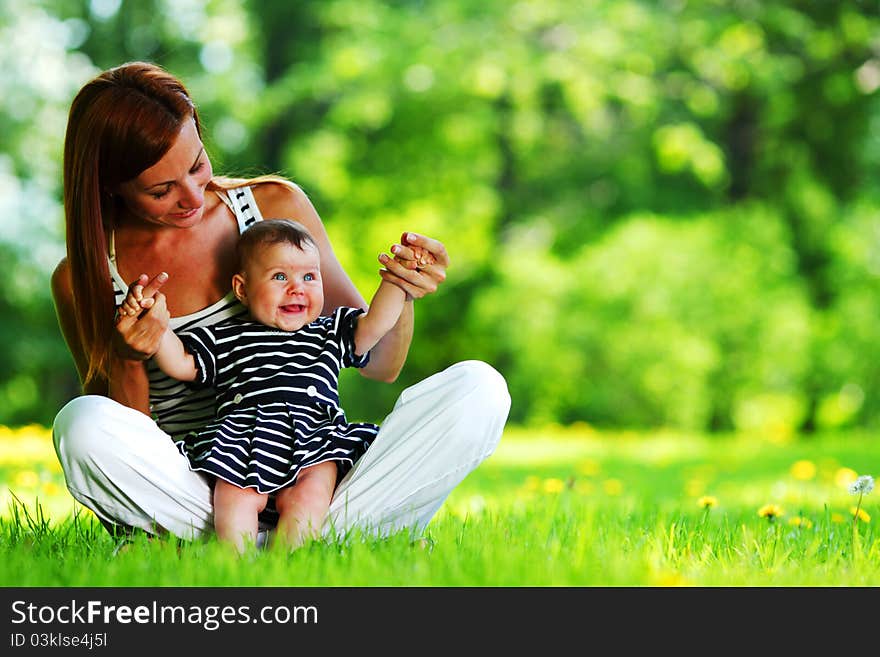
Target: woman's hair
{"type": "Point", "coordinates": [270, 231]}
{"type": "Point", "coordinates": [120, 124]}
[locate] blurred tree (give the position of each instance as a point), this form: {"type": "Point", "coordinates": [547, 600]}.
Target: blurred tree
{"type": "Point", "coordinates": [656, 211]}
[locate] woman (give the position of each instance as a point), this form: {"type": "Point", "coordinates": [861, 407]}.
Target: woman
{"type": "Point", "coordinates": [140, 198]}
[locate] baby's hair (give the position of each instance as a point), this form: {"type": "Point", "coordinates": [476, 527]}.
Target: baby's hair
{"type": "Point", "coordinates": [271, 231]}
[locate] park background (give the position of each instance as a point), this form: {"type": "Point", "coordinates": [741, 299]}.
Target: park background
{"type": "Point", "coordinates": [662, 215]}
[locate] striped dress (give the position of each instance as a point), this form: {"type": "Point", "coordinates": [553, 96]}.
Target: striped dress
{"type": "Point", "coordinates": [277, 400]}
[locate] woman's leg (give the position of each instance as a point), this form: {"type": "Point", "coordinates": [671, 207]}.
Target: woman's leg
{"type": "Point", "coordinates": [302, 507]}
{"type": "Point", "coordinates": [122, 466]}
{"type": "Point", "coordinates": [439, 430]}
{"type": "Point", "coordinates": [235, 513]}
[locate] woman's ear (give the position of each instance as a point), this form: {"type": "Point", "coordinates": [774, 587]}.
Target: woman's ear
{"type": "Point", "coordinates": [238, 288]}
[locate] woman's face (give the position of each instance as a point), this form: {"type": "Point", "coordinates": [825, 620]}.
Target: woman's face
{"type": "Point", "coordinates": [172, 191]}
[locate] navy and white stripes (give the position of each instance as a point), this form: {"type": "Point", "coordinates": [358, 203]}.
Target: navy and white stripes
{"type": "Point", "coordinates": [277, 400]}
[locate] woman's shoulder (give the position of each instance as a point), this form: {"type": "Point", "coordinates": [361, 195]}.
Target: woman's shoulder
{"type": "Point", "coordinates": [279, 197]}
{"type": "Point", "coordinates": [62, 268]}
{"type": "Point", "coordinates": [60, 280]}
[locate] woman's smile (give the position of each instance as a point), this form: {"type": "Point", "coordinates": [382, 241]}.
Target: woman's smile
{"type": "Point", "coordinates": [185, 215]}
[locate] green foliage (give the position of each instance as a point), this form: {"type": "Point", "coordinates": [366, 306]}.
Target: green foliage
{"type": "Point", "coordinates": [657, 212]}
{"type": "Point", "coordinates": [663, 322]}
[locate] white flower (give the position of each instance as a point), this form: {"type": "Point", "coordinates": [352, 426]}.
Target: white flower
{"type": "Point", "coordinates": [862, 486]}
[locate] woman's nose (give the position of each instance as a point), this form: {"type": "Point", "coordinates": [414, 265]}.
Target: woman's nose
{"type": "Point", "coordinates": [193, 196]}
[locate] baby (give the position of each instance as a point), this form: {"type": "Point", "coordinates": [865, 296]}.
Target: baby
{"type": "Point", "coordinates": [279, 426]}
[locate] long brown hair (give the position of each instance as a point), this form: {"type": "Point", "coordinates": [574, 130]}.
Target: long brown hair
{"type": "Point", "coordinates": [120, 124]}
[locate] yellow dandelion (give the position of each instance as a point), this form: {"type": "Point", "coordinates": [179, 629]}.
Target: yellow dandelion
{"type": "Point", "coordinates": [707, 502]}
{"type": "Point", "coordinates": [554, 485]}
{"type": "Point", "coordinates": [50, 488]}
{"type": "Point", "coordinates": [861, 514]}
{"type": "Point", "coordinates": [800, 521]}
{"type": "Point", "coordinates": [27, 479]}
{"type": "Point", "coordinates": [845, 476]}
{"type": "Point", "coordinates": [771, 511]}
{"type": "Point", "coordinates": [612, 486]}
{"type": "Point", "coordinates": [837, 517]}
{"type": "Point", "coordinates": [803, 470]}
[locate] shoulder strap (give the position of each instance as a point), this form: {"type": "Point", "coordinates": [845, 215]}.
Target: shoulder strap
{"type": "Point", "coordinates": [119, 285]}
{"type": "Point", "coordinates": [242, 203]}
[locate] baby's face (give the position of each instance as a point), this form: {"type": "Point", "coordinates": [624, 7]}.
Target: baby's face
{"type": "Point", "coordinates": [282, 286]}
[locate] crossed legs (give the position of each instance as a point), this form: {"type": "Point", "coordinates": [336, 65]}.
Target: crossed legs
{"type": "Point", "coordinates": [121, 465]}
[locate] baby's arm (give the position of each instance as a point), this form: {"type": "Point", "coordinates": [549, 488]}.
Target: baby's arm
{"type": "Point", "coordinates": [384, 311]}
{"type": "Point", "coordinates": [171, 357]}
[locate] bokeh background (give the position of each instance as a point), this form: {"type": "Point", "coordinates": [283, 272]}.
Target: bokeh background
{"type": "Point", "coordinates": [660, 213]}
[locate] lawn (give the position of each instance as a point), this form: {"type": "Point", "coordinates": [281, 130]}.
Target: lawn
{"type": "Point", "coordinates": [559, 506]}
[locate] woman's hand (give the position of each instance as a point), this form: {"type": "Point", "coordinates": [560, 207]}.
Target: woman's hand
{"type": "Point", "coordinates": [418, 267]}
{"type": "Point", "coordinates": [139, 332]}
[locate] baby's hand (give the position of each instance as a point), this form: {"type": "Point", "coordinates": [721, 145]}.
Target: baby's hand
{"type": "Point", "coordinates": [413, 257]}
{"type": "Point", "coordinates": [134, 302]}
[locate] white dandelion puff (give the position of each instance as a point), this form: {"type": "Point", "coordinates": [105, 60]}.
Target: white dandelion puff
{"type": "Point", "coordinates": [862, 486]}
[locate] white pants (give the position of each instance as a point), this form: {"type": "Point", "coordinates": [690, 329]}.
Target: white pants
{"type": "Point", "coordinates": [122, 466]}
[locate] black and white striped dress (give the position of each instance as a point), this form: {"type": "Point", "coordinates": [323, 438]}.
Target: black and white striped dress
{"type": "Point", "coordinates": [277, 400]}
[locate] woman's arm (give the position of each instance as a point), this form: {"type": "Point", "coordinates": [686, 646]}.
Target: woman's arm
{"type": "Point", "coordinates": [128, 383]}
{"type": "Point", "coordinates": [62, 296]}
{"type": "Point", "coordinates": [128, 378]}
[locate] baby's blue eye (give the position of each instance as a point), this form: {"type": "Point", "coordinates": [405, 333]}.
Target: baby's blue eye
{"type": "Point", "coordinates": [309, 277]}
{"type": "Point", "coordinates": [279, 276]}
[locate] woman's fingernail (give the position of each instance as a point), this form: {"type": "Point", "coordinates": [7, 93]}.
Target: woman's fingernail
{"type": "Point", "coordinates": [395, 249]}
{"type": "Point", "coordinates": [383, 257]}
{"type": "Point", "coordinates": [411, 237]}
{"type": "Point", "coordinates": [163, 276]}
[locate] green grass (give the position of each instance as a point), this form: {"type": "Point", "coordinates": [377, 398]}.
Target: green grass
{"type": "Point", "coordinates": [557, 507]}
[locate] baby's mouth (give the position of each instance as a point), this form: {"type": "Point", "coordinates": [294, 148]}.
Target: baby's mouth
{"type": "Point", "coordinates": [293, 308]}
